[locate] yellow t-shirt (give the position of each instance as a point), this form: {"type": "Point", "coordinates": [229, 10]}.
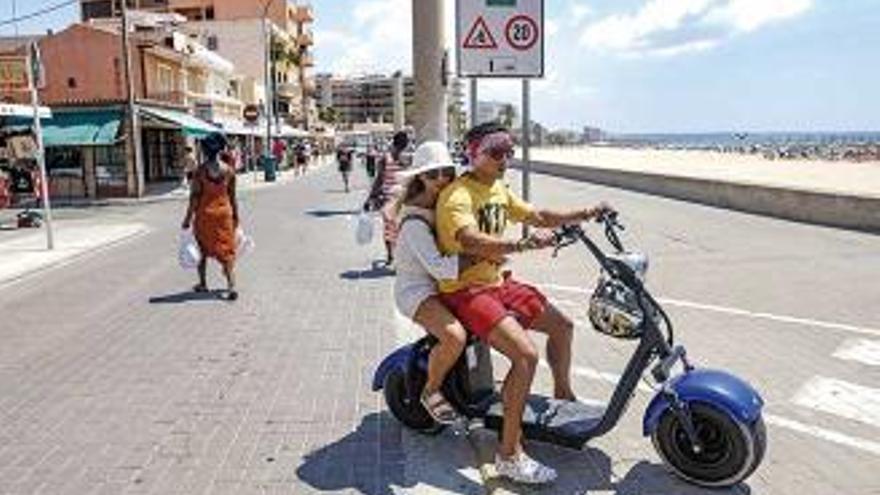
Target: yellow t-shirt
{"type": "Point", "coordinates": [465, 203]}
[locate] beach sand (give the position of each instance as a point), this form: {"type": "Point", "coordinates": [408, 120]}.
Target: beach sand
{"type": "Point", "coordinates": [861, 179]}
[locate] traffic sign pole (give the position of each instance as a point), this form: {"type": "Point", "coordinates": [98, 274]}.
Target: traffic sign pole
{"type": "Point", "coordinates": [474, 102]}
{"type": "Point", "coordinates": [526, 147]}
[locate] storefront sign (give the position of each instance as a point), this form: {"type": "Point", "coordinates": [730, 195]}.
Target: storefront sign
{"type": "Point", "coordinates": [13, 73]}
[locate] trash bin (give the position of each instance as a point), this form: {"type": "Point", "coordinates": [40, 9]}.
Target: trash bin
{"type": "Point", "coordinates": [267, 163]}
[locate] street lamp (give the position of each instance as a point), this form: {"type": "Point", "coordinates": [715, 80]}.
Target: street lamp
{"type": "Point", "coordinates": [267, 86]}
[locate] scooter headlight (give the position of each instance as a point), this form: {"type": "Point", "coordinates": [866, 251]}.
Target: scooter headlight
{"type": "Point", "coordinates": [614, 310]}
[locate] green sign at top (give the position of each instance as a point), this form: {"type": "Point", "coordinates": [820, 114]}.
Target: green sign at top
{"type": "Point", "coordinates": [501, 3]}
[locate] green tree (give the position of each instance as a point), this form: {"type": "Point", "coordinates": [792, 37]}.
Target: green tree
{"type": "Point", "coordinates": [507, 115]}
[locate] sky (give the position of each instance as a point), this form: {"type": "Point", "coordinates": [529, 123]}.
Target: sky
{"type": "Point", "coordinates": [641, 65]}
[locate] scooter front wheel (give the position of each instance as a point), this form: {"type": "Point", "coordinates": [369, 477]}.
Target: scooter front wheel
{"type": "Point", "coordinates": [730, 449]}
{"type": "Point", "coordinates": [408, 410]}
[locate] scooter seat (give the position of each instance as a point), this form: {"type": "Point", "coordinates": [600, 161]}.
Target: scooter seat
{"type": "Point", "coordinates": [559, 422]}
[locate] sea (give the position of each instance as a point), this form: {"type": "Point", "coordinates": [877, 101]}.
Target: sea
{"type": "Point", "coordinates": [716, 140]}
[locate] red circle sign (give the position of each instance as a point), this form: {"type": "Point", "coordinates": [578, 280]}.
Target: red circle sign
{"type": "Point", "coordinates": [251, 113]}
{"type": "Point", "coordinates": [522, 32]}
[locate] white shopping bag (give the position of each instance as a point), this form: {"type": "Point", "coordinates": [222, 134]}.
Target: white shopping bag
{"type": "Point", "coordinates": [244, 243]}
{"type": "Point", "coordinates": [364, 227]}
{"type": "Point", "coordinates": [188, 252]}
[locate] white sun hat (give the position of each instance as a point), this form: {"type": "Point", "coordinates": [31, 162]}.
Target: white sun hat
{"type": "Point", "coordinates": [430, 155]}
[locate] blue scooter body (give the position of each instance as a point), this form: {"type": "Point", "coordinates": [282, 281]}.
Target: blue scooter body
{"type": "Point", "coordinates": [398, 359]}
{"type": "Point", "coordinates": [712, 387]}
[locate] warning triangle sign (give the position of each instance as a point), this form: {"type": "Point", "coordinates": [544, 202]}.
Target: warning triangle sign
{"type": "Point", "coordinates": [480, 37]}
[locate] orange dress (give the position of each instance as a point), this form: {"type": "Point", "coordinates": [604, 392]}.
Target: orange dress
{"type": "Point", "coordinates": [214, 226]}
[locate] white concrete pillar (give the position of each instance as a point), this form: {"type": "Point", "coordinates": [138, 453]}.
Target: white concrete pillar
{"type": "Point", "coordinates": [428, 70]}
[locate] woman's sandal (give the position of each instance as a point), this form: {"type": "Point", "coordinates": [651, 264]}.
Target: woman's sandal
{"type": "Point", "coordinates": [232, 295]}
{"type": "Point", "coordinates": [200, 288]}
{"type": "Point", "coordinates": [439, 408]}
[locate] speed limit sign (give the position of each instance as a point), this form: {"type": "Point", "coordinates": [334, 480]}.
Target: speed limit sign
{"type": "Point", "coordinates": [522, 32]}
{"type": "Point", "coordinates": [500, 38]}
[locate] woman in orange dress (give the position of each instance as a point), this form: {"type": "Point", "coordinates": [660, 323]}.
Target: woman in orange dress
{"type": "Point", "coordinates": [212, 202]}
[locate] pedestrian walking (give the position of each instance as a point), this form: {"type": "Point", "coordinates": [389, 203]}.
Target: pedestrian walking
{"type": "Point", "coordinates": [344, 157]}
{"type": "Point", "coordinates": [386, 188]}
{"type": "Point", "coordinates": [301, 154]}
{"type": "Point", "coordinates": [213, 212]}
{"type": "Point", "coordinates": [370, 161]}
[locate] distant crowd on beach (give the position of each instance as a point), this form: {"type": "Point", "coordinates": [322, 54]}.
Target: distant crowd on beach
{"type": "Point", "coordinates": [824, 147]}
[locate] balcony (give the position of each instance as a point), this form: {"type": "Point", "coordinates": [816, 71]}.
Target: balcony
{"type": "Point", "coordinates": [305, 39]}
{"type": "Point", "coordinates": [175, 97]}
{"type": "Point", "coordinates": [288, 89]}
{"type": "Point", "coordinates": [305, 14]}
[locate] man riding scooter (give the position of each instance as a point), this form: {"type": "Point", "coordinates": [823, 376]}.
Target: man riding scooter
{"type": "Point", "coordinates": [472, 215]}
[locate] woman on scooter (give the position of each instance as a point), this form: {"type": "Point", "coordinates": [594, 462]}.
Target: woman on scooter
{"type": "Point", "coordinates": [419, 265]}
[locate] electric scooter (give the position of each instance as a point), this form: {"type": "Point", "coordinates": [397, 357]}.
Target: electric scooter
{"type": "Point", "coordinates": [705, 424]}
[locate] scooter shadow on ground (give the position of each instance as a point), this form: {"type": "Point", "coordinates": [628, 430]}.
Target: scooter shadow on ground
{"type": "Point", "coordinates": [589, 470]}
{"type": "Point", "coordinates": [188, 296]}
{"type": "Point", "coordinates": [372, 461]}
{"type": "Point", "coordinates": [378, 269]}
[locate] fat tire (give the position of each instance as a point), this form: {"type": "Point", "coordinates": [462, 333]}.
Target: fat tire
{"type": "Point", "coordinates": [407, 411]}
{"type": "Point", "coordinates": [759, 432]}
{"type": "Point", "coordinates": [743, 445]}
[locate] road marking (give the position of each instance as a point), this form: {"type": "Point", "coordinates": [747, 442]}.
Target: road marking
{"type": "Point", "coordinates": [861, 350]}
{"type": "Point", "coordinates": [840, 398]}
{"type": "Point", "coordinates": [824, 434]}
{"type": "Point", "coordinates": [743, 312]}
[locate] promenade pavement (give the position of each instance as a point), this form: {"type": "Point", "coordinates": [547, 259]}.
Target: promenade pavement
{"type": "Point", "coordinates": [114, 378]}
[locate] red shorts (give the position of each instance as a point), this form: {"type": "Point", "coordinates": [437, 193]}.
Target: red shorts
{"type": "Point", "coordinates": [481, 309]}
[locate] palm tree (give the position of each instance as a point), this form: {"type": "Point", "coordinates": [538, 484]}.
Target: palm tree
{"type": "Point", "coordinates": [506, 115]}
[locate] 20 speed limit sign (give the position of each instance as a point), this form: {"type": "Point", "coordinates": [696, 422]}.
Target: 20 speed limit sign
{"type": "Point", "coordinates": [500, 38]}
{"type": "Point", "coordinates": [522, 32]}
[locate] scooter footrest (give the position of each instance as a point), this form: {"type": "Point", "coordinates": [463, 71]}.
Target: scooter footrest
{"type": "Point", "coordinates": [560, 422]}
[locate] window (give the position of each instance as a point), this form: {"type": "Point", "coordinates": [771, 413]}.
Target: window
{"type": "Point", "coordinates": [97, 10]}
{"type": "Point", "coordinates": [110, 173]}
{"type": "Point", "coordinates": [164, 78]}
{"type": "Point", "coordinates": [209, 13]}
{"type": "Point", "coordinates": [213, 43]}
{"type": "Point", "coordinates": [71, 82]}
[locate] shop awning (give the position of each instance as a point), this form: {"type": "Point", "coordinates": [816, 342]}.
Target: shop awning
{"type": "Point", "coordinates": [82, 128]}
{"type": "Point", "coordinates": [192, 126]}
{"type": "Point", "coordinates": [23, 111]}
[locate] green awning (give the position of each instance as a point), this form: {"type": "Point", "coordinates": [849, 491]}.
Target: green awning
{"type": "Point", "coordinates": [81, 128]}
{"type": "Point", "coordinates": [192, 126]}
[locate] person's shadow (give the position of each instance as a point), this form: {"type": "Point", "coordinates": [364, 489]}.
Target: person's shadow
{"type": "Point", "coordinates": [188, 296]}
{"type": "Point", "coordinates": [372, 460]}
{"type": "Point", "coordinates": [592, 470]}
{"type": "Point", "coordinates": [332, 213]}
{"type": "Point", "coordinates": [378, 269]}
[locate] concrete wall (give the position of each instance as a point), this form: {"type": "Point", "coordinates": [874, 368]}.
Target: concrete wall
{"type": "Point", "coordinates": [835, 210]}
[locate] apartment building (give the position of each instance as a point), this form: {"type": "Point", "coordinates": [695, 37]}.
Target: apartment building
{"type": "Point", "coordinates": [364, 99]}
{"type": "Point", "coordinates": [235, 30]}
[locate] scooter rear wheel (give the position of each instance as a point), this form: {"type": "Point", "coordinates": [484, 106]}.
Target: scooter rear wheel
{"type": "Point", "coordinates": [408, 410]}
{"type": "Point", "coordinates": [731, 450]}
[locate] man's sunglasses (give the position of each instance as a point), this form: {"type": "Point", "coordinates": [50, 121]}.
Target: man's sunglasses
{"type": "Point", "coordinates": [500, 153]}
{"type": "Point", "coordinates": [448, 172]}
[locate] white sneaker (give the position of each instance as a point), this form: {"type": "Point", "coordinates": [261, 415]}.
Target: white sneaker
{"type": "Point", "coordinates": [524, 469]}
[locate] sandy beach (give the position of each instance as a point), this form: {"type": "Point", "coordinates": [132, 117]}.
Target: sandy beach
{"type": "Point", "coordinates": [862, 179]}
